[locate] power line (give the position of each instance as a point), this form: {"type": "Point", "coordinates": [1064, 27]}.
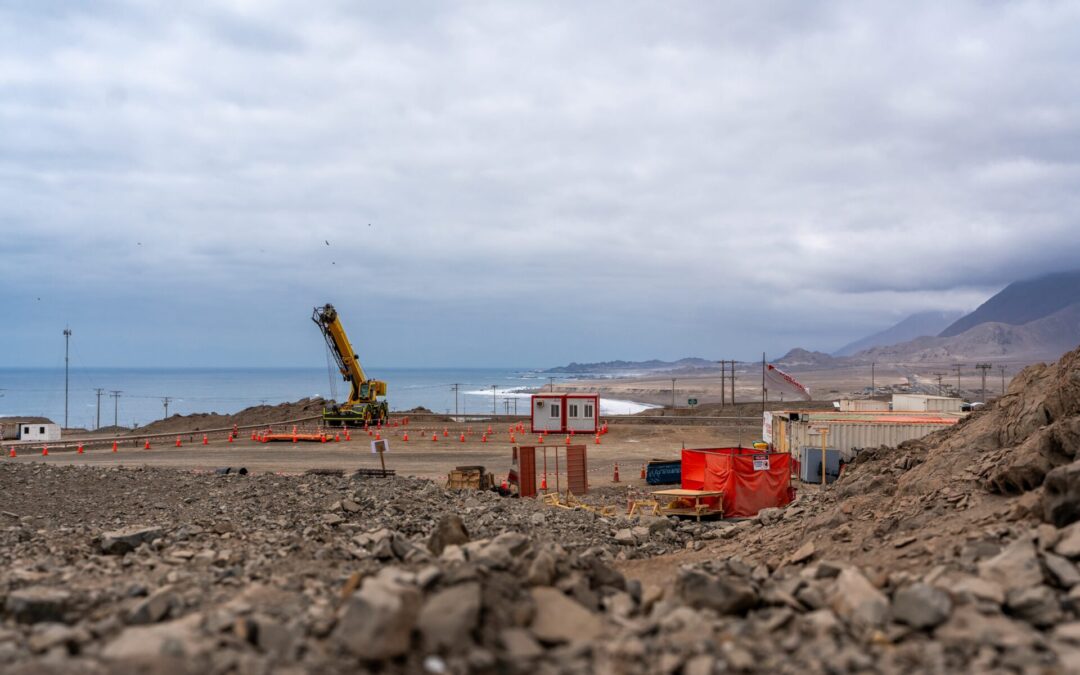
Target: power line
{"type": "Point", "coordinates": [67, 341]}
{"type": "Point", "coordinates": [166, 400]}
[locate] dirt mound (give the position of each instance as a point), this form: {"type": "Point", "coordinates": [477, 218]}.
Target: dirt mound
{"type": "Point", "coordinates": [260, 414]}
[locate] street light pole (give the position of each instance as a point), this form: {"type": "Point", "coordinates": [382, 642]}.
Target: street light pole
{"type": "Point", "coordinates": [67, 339]}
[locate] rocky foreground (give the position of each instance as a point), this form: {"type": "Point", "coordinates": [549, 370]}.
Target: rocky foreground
{"type": "Point", "coordinates": [955, 554]}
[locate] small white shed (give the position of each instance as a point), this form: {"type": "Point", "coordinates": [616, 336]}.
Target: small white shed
{"type": "Point", "coordinates": [39, 431]}
{"type": "Point", "coordinates": [563, 413]}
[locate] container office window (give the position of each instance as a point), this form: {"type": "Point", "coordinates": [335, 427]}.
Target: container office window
{"type": "Point", "coordinates": [572, 410]}
{"type": "Point", "coordinates": [554, 409]}
{"type": "Point", "coordinates": [588, 410]}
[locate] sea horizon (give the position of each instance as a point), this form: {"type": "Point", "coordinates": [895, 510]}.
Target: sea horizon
{"type": "Point", "coordinates": [29, 391]}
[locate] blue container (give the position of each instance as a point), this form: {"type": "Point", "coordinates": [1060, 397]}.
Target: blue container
{"type": "Point", "coordinates": [664, 473]}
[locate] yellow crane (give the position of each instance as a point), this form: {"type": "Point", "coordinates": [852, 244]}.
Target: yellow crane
{"type": "Point", "coordinates": [363, 405]}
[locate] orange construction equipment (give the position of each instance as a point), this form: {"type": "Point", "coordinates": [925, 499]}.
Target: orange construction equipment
{"type": "Point", "coordinates": [146, 446]}
{"type": "Point", "coordinates": [80, 450]}
{"type": "Point", "coordinates": [115, 446]}
{"type": "Point", "coordinates": [45, 451]}
{"type": "Point", "coordinates": [615, 478]}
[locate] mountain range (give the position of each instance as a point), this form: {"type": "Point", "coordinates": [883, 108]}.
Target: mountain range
{"type": "Point", "coordinates": [1032, 319]}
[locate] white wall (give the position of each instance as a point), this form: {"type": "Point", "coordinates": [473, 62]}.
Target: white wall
{"type": "Point", "coordinates": [547, 413]}
{"type": "Point", "coordinates": [39, 432]}
{"type": "Point", "coordinates": [581, 414]}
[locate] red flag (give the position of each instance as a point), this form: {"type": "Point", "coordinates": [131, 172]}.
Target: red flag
{"type": "Point", "coordinates": [785, 381]}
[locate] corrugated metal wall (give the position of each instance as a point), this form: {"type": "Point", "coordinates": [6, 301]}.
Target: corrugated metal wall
{"type": "Point", "coordinates": [846, 435]}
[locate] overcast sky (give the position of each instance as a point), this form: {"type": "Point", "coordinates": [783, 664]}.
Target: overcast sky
{"type": "Point", "coordinates": [522, 184]}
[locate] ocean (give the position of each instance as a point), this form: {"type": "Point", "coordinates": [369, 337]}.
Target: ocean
{"type": "Point", "coordinates": [40, 391]}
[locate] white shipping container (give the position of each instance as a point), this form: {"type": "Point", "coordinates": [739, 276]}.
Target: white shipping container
{"type": "Point", "coordinates": [925, 403]}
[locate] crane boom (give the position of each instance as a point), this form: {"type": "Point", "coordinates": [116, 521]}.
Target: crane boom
{"type": "Point", "coordinates": [363, 404]}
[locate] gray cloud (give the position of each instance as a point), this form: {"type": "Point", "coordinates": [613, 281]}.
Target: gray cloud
{"type": "Point", "coordinates": [653, 180]}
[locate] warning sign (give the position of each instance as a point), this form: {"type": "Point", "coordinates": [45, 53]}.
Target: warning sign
{"type": "Point", "coordinates": [761, 462]}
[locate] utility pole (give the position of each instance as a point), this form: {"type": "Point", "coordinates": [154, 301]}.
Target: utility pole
{"type": "Point", "coordinates": [958, 366]}
{"type": "Point", "coordinates": [494, 410]}
{"type": "Point", "coordinates": [98, 392]}
{"type": "Point", "coordinates": [983, 367]}
{"type": "Point", "coordinates": [764, 391]}
{"type": "Point", "coordinates": [673, 393]}
{"type": "Point", "coordinates": [1002, 379]}
{"type": "Point", "coordinates": [551, 384]}
{"type": "Point", "coordinates": [67, 340]}
{"type": "Point", "coordinates": [723, 387]}
{"type": "Point", "coordinates": [455, 387]}
{"type": "Point", "coordinates": [116, 406]}
{"type": "Point", "coordinates": [166, 400]}
{"type": "Point", "coordinates": [873, 386]}
{"type": "Point", "coordinates": [732, 382]}
{"type": "Point", "coordinates": [939, 376]}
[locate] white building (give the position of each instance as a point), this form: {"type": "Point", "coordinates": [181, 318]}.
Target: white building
{"type": "Point", "coordinates": [39, 431]}
{"type": "Point", "coordinates": [925, 403]}
{"type": "Point", "coordinates": [563, 413]}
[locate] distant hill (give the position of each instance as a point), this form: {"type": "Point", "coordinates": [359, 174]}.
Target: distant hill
{"type": "Point", "coordinates": [607, 367]}
{"type": "Point", "coordinates": [1022, 302]}
{"type": "Point", "coordinates": [916, 325]}
{"type": "Point", "coordinates": [802, 358]}
{"type": "Point", "coordinates": [1043, 339]}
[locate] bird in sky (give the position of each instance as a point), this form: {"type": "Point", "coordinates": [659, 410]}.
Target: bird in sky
{"type": "Point", "coordinates": [327, 242]}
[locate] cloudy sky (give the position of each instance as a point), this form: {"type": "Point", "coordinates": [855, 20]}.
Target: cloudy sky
{"type": "Point", "coordinates": [522, 183]}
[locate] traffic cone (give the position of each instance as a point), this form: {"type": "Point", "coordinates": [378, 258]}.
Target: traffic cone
{"type": "Point", "coordinates": [405, 437]}
{"type": "Point", "coordinates": [230, 438]}
{"type": "Point", "coordinates": [178, 441]}
{"type": "Point", "coordinates": [254, 436]}
{"type": "Point", "coordinates": [615, 478]}
{"type": "Point", "coordinates": [489, 430]}
{"type": "Point", "coordinates": [205, 440]}
{"type": "Point", "coordinates": [543, 482]}
{"type": "Point", "coordinates": [568, 439]}
{"type": "Point", "coordinates": [45, 451]}
{"type": "Point", "coordinates": [80, 450]}
{"type": "Point", "coordinates": [378, 436]}
{"type": "Point", "coordinates": [483, 439]}
{"type": "Point", "coordinates": [504, 485]}
{"type": "Point", "coordinates": [434, 437]}
{"type": "Point", "coordinates": [598, 439]}
{"type": "Point", "coordinates": [462, 439]}
{"type": "Point", "coordinates": [642, 472]}
{"type": "Point", "coordinates": [115, 446]}
{"type": "Point", "coordinates": [370, 432]}
{"type": "Point", "coordinates": [294, 438]}
{"type": "Point", "coordinates": [12, 453]}
{"type": "Point", "coordinates": [322, 438]}
{"type": "Point", "coordinates": [337, 438]}
{"type": "Point", "coordinates": [445, 432]}
{"type": "Point", "coordinates": [347, 436]}
{"type": "Point", "coordinates": [512, 437]}
{"type": "Point", "coordinates": [146, 446]}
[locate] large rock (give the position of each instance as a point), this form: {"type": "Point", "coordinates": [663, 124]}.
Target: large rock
{"type": "Point", "coordinates": [449, 617]}
{"type": "Point", "coordinates": [921, 606]}
{"type": "Point", "coordinates": [153, 645]}
{"type": "Point", "coordinates": [1061, 495]}
{"type": "Point", "coordinates": [1015, 567]}
{"type": "Point", "coordinates": [857, 601]}
{"type": "Point", "coordinates": [377, 621]}
{"type": "Point", "coordinates": [1037, 605]}
{"type": "Point", "coordinates": [970, 628]}
{"type": "Point", "coordinates": [723, 594]}
{"type": "Point", "coordinates": [450, 530]}
{"type": "Point", "coordinates": [559, 619]}
{"type": "Point", "coordinates": [128, 539]}
{"type": "Point", "coordinates": [153, 608]}
{"type": "Point", "coordinates": [37, 603]}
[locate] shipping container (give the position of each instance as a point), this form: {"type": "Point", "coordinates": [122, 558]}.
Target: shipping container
{"type": "Point", "coordinates": [925, 403]}
{"type": "Point", "coordinates": [863, 405]}
{"type": "Point", "coordinates": [789, 430]}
